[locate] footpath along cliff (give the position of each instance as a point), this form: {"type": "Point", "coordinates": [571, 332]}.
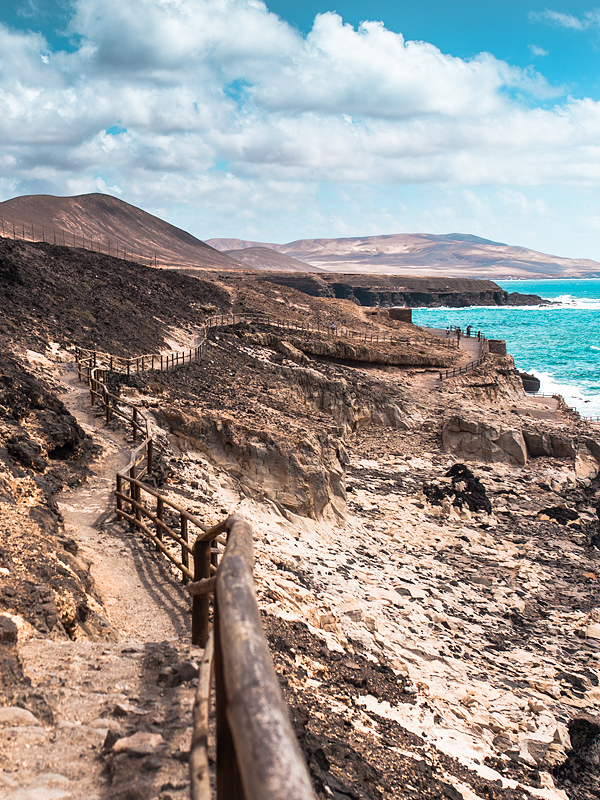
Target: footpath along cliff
{"type": "Point", "coordinates": [427, 551]}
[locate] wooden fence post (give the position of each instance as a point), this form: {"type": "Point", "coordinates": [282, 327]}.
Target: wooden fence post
{"type": "Point", "coordinates": [159, 516]}
{"type": "Point", "coordinates": [150, 452]}
{"type": "Point", "coordinates": [138, 497]}
{"type": "Point", "coordinates": [119, 491]}
{"type": "Point", "coordinates": [132, 492]}
{"type": "Point", "coordinates": [185, 556]}
{"type": "Point", "coordinates": [134, 420]}
{"type": "Point", "coordinates": [200, 603]}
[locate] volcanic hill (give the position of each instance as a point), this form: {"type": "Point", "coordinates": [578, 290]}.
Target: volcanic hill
{"type": "Point", "coordinates": [117, 227]}
{"type": "Point", "coordinates": [109, 220]}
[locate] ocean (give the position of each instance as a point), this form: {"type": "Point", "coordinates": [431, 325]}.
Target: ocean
{"type": "Point", "coordinates": [558, 344]}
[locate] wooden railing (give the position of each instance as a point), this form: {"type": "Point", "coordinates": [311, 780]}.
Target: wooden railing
{"type": "Point", "coordinates": [258, 757]}
{"type": "Point", "coordinates": [332, 330]}
{"type": "Point", "coordinates": [470, 365]}
{"type": "Point", "coordinates": [27, 232]}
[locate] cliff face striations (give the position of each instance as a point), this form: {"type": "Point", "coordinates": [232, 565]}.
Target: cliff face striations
{"type": "Point", "coordinates": [381, 290]}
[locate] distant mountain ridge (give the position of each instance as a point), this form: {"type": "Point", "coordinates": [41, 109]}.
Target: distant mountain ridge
{"type": "Point", "coordinates": [107, 218]}
{"type": "Point", "coordinates": [267, 259]}
{"type": "Point", "coordinates": [456, 255]}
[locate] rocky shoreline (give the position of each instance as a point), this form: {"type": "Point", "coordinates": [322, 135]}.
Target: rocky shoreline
{"type": "Point", "coordinates": [427, 553]}
{"type": "Point", "coordinates": [412, 292]}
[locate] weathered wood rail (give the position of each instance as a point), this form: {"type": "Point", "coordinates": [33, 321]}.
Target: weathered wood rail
{"type": "Point", "coordinates": [258, 757]}
{"type": "Point", "coordinates": [470, 365]}
{"type": "Point", "coordinates": [27, 232]}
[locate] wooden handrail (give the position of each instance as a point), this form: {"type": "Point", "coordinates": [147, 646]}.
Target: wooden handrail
{"type": "Point", "coordinates": [258, 757]}
{"type": "Point", "coordinates": [470, 365]}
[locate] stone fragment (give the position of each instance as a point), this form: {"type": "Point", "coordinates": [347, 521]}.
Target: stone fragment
{"type": "Point", "coordinates": [123, 709]}
{"type": "Point", "coordinates": [505, 743]}
{"type": "Point", "coordinates": [593, 631]}
{"type": "Point", "coordinates": [537, 749]}
{"type": "Point", "coordinates": [140, 744]}
{"type": "Point", "coordinates": [586, 466]}
{"type": "Point", "coordinates": [291, 352]}
{"type": "Point", "coordinates": [327, 622]}
{"type": "Point", "coordinates": [561, 736]}
{"type": "Point", "coordinates": [8, 630]}
{"type": "Point", "coordinates": [12, 716]}
{"type": "Point", "coordinates": [536, 705]}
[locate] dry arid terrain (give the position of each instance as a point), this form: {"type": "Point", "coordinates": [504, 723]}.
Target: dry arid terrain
{"type": "Point", "coordinates": [100, 221]}
{"type": "Point", "coordinates": [427, 552]}
{"type": "Point", "coordinates": [107, 222]}
{"type": "Point", "coordinates": [454, 255]}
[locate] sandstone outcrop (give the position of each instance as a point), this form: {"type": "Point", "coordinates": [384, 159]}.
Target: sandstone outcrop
{"type": "Point", "coordinates": [418, 352]}
{"type": "Point", "coordinates": [303, 473]}
{"type": "Point", "coordinates": [476, 440]}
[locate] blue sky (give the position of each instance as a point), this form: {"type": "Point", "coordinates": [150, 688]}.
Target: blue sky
{"type": "Point", "coordinates": [312, 119]}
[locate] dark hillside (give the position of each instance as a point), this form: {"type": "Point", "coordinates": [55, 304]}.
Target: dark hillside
{"type": "Point", "coordinates": [76, 297]}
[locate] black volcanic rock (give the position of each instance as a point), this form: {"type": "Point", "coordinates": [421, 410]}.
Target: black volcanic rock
{"type": "Point", "coordinates": [400, 290]}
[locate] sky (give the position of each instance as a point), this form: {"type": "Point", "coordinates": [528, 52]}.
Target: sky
{"type": "Point", "coordinates": [313, 118]}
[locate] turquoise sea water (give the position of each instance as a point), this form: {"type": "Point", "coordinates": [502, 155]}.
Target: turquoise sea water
{"type": "Point", "coordinates": [559, 344]}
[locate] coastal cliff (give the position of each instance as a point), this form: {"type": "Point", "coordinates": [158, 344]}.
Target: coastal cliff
{"type": "Point", "coordinates": [415, 292]}
{"type": "Point", "coordinates": [426, 549]}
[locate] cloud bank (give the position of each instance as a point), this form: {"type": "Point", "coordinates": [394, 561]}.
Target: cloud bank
{"type": "Point", "coordinates": [220, 101]}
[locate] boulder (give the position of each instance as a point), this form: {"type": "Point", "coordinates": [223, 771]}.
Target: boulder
{"type": "Point", "coordinates": [289, 351]}
{"type": "Point", "coordinates": [302, 471]}
{"type": "Point", "coordinates": [547, 443]}
{"type": "Point", "coordinates": [475, 440]}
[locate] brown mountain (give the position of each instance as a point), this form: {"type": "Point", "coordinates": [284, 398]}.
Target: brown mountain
{"type": "Point", "coordinates": [110, 222]}
{"type": "Point", "coordinates": [452, 255]}
{"type": "Point", "coordinates": [265, 258]}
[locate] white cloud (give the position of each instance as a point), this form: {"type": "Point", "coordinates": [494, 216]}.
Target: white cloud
{"type": "Point", "coordinates": [561, 20]}
{"type": "Point", "coordinates": [220, 102]}
{"type": "Point", "coordinates": [537, 51]}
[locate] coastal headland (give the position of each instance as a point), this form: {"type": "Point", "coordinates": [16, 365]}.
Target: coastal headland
{"type": "Point", "coordinates": [399, 290]}
{"type": "Point", "coordinates": [426, 548]}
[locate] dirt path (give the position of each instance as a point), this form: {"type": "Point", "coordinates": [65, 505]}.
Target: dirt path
{"type": "Point", "coordinates": [142, 599]}
{"type": "Point", "coordinates": [91, 694]}
{"type": "Point", "coordinates": [471, 348]}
